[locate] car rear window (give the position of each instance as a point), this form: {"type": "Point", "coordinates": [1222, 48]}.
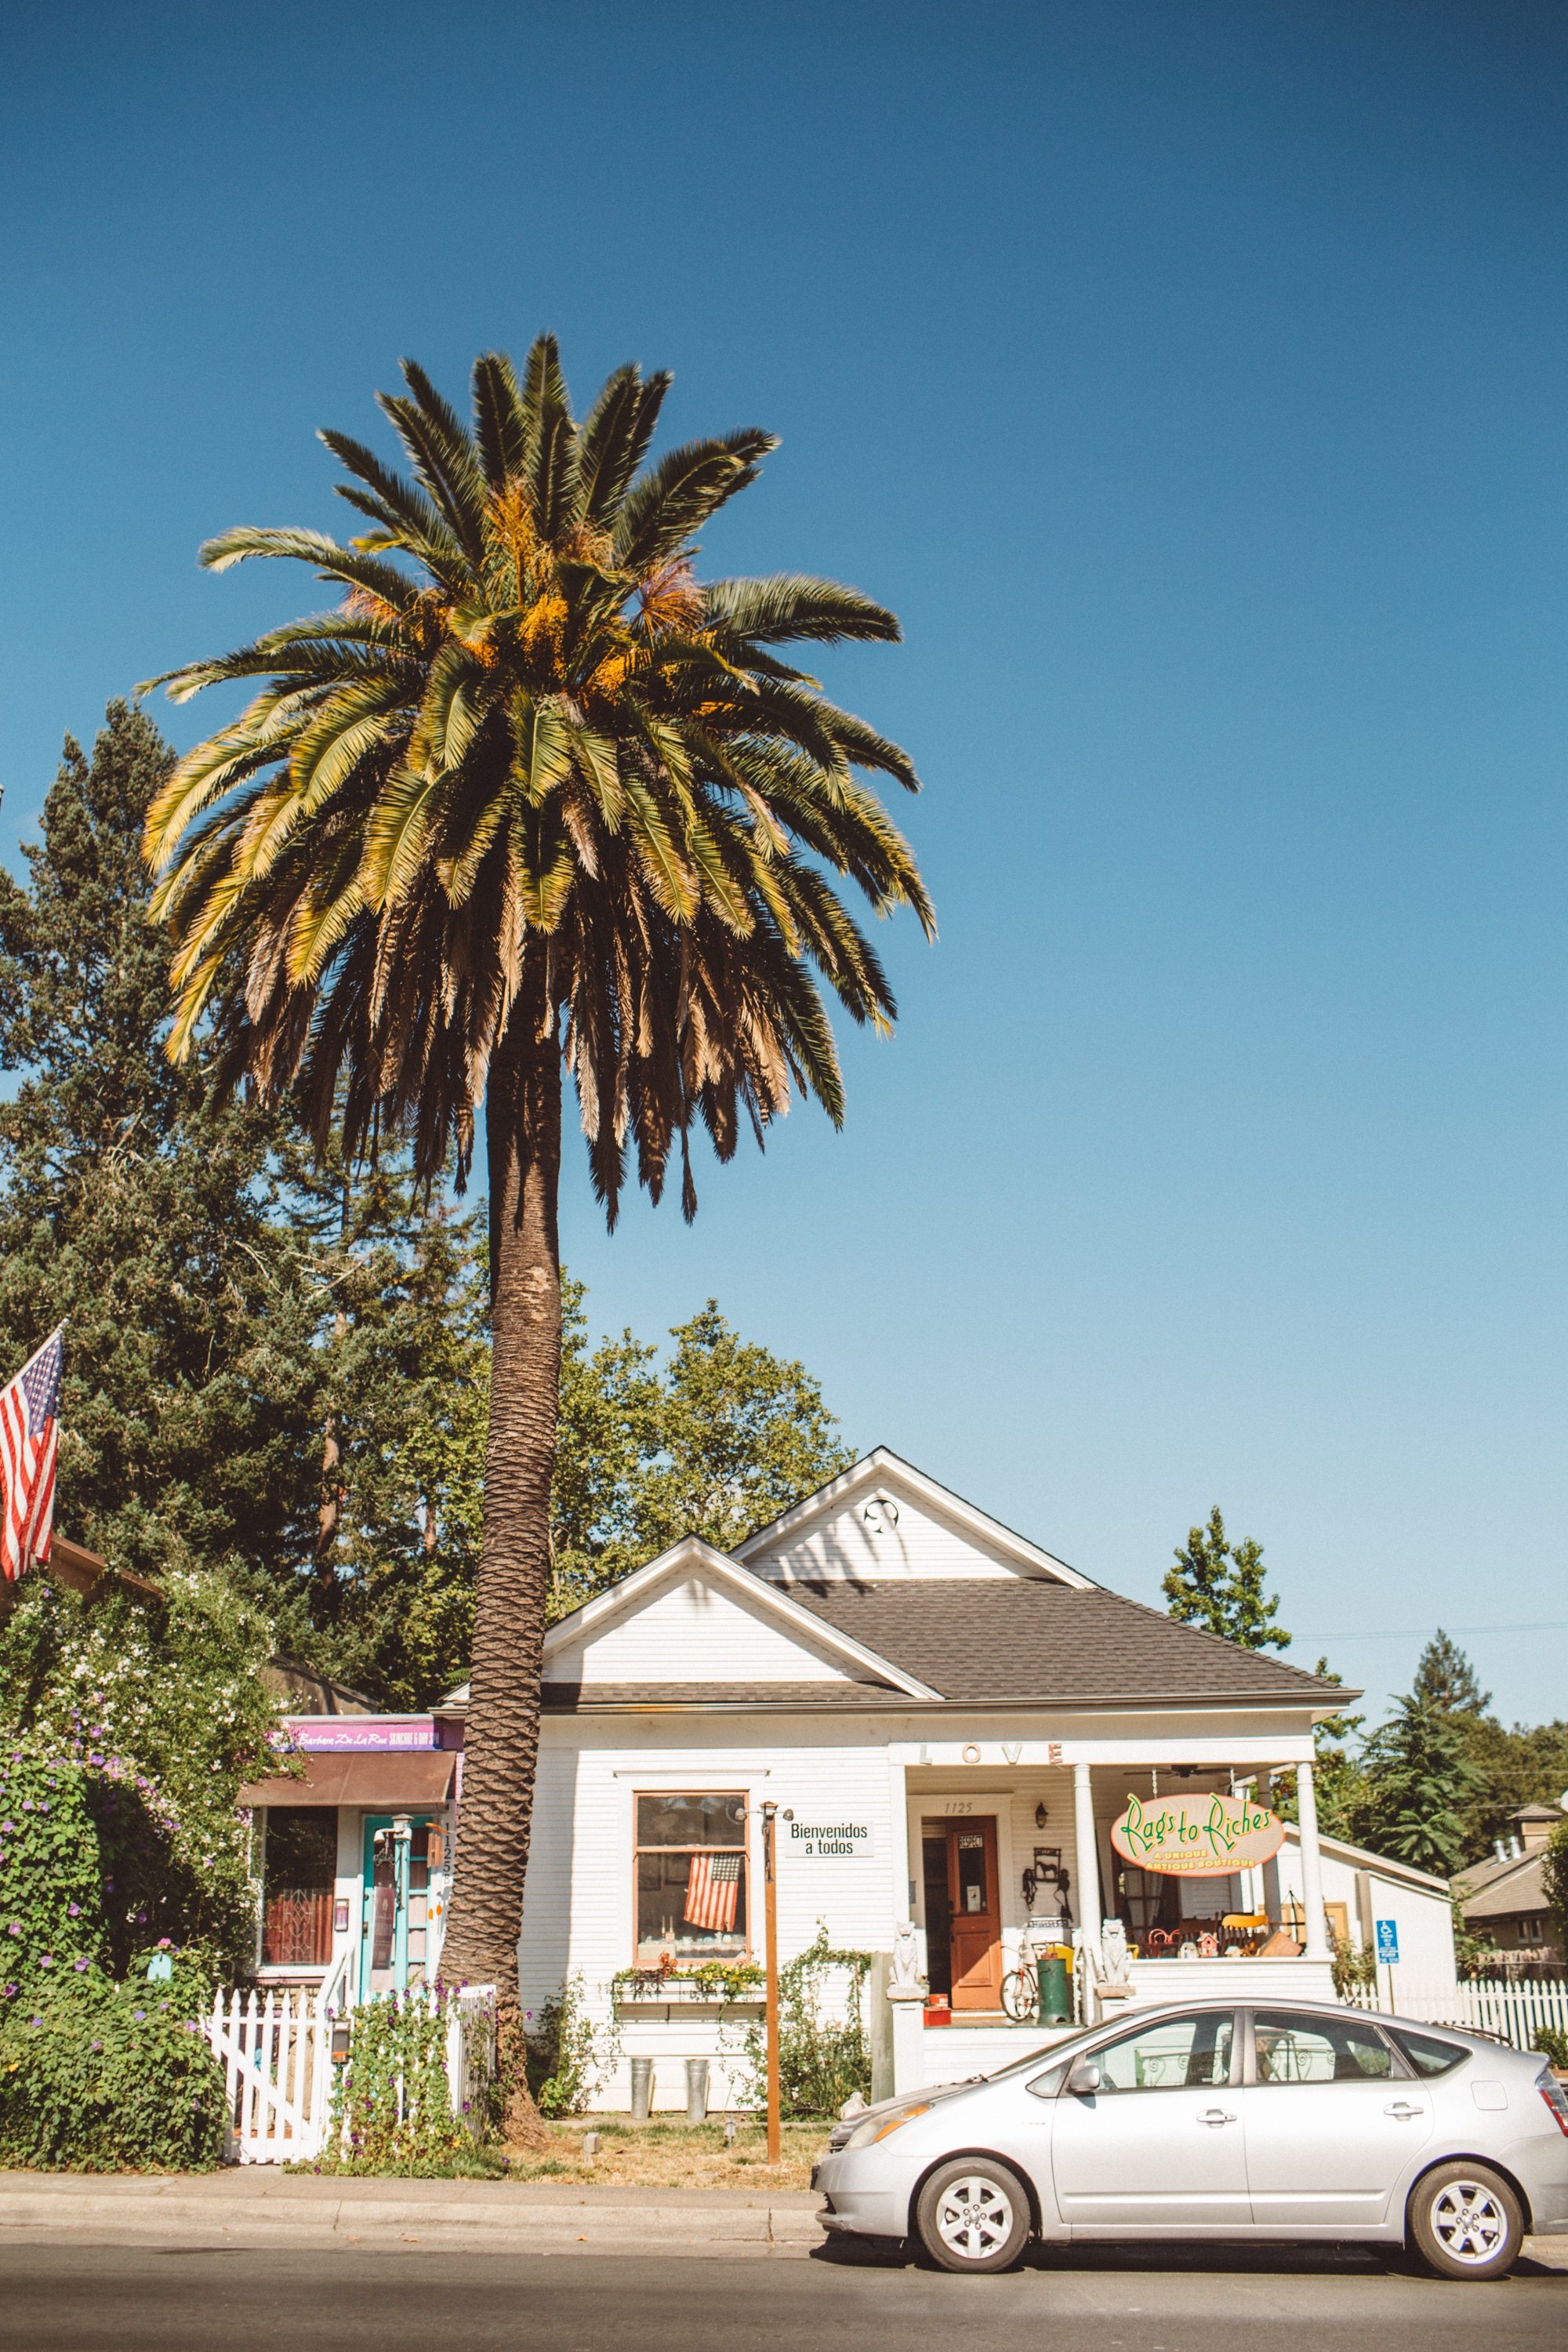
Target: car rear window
{"type": "Point", "coordinates": [1426, 2053]}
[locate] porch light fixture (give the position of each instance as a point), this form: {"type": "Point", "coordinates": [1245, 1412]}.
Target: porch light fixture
{"type": "Point", "coordinates": [1041, 1817]}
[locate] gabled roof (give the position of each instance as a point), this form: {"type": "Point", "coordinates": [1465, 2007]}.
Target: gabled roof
{"type": "Point", "coordinates": [1363, 1857]}
{"type": "Point", "coordinates": [692, 1556]}
{"type": "Point", "coordinates": [881, 1470]}
{"type": "Point", "coordinates": [1506, 1889]}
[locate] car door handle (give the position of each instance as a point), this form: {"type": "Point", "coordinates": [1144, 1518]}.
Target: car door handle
{"type": "Point", "coordinates": [1403, 2112]}
{"type": "Point", "coordinates": [1215, 2116]}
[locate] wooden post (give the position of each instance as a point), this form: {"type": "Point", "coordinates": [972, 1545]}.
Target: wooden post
{"type": "Point", "coordinates": [771, 1916]}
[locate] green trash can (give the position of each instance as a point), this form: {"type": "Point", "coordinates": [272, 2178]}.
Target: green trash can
{"type": "Point", "coordinates": [1055, 2007]}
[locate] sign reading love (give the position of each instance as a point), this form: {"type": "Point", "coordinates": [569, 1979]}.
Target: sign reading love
{"type": "Point", "coordinates": [1203, 1834]}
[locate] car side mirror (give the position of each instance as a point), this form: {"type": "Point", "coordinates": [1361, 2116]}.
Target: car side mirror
{"type": "Point", "coordinates": [1084, 2080]}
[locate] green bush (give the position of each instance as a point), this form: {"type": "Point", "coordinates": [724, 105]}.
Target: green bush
{"type": "Point", "coordinates": [821, 2061]}
{"type": "Point", "coordinates": [1552, 2043]}
{"type": "Point", "coordinates": [97, 2077]}
{"type": "Point", "coordinates": [392, 2109]}
{"type": "Point", "coordinates": [51, 1877]}
{"type": "Point", "coordinates": [567, 2054]}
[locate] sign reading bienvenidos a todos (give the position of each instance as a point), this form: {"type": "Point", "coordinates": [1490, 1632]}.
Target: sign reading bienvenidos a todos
{"type": "Point", "coordinates": [1203, 1834]}
{"type": "Point", "coordinates": [818, 1838]}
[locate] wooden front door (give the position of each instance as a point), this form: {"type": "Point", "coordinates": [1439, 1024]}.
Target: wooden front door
{"type": "Point", "coordinates": [974, 1911]}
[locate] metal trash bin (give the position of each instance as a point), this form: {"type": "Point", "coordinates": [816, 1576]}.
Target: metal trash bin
{"type": "Point", "coordinates": [696, 2090]}
{"type": "Point", "coordinates": [642, 2089]}
{"type": "Point", "coordinates": [1056, 2002]}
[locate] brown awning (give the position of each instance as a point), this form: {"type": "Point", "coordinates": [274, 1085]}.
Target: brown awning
{"type": "Point", "coordinates": [382, 1782]}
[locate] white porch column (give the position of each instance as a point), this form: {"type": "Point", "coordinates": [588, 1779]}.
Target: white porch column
{"type": "Point", "coordinates": [1086, 1856]}
{"type": "Point", "coordinates": [1317, 1930]}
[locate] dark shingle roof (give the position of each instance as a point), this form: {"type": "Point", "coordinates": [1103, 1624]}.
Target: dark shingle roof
{"type": "Point", "coordinates": [1029, 1638]}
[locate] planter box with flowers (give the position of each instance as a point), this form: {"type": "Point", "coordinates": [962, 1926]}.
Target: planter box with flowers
{"type": "Point", "coordinates": [719, 1985]}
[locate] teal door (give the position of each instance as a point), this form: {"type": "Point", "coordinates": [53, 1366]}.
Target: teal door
{"type": "Point", "coordinates": [395, 1914]}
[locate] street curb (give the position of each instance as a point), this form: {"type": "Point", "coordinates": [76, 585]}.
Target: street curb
{"type": "Point", "coordinates": [483, 2216]}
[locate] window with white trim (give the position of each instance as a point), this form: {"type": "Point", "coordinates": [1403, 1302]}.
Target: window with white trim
{"type": "Point", "coordinates": [689, 1876]}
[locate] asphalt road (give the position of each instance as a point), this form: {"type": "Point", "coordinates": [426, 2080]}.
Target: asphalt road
{"type": "Point", "coordinates": [60, 2296]}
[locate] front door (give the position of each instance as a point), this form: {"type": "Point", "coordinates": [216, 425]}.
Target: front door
{"type": "Point", "coordinates": [963, 1899]}
{"type": "Point", "coordinates": [379, 1939]}
{"type": "Point", "coordinates": [1158, 2145]}
{"type": "Point", "coordinates": [1333, 2125]}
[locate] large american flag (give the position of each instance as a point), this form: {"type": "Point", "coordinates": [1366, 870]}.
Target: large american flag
{"type": "Point", "coordinates": [29, 1437]}
{"type": "Point", "coordinates": [713, 1889]}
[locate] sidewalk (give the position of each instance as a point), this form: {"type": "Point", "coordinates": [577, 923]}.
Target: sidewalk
{"type": "Point", "coordinates": [257, 2205]}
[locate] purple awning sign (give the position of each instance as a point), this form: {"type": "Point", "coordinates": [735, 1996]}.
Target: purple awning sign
{"type": "Point", "coordinates": [319, 1735]}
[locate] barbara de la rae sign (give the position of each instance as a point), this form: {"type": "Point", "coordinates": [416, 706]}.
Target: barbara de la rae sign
{"type": "Point", "coordinates": [817, 1838]}
{"type": "Point", "coordinates": [1204, 1834]}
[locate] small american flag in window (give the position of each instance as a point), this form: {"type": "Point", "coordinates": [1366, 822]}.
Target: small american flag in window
{"type": "Point", "coordinates": [712, 1890]}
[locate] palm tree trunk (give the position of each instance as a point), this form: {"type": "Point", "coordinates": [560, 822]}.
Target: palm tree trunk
{"type": "Point", "coordinates": [523, 1124]}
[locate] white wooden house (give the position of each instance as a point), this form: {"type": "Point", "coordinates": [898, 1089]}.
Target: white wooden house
{"type": "Point", "coordinates": [948, 1718]}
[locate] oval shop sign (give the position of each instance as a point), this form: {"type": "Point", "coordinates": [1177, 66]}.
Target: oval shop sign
{"type": "Point", "coordinates": [1203, 1834]}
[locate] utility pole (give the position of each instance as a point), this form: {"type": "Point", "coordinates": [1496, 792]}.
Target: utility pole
{"type": "Point", "coordinates": [771, 1918]}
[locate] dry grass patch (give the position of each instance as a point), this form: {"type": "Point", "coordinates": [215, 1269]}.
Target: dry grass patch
{"type": "Point", "coordinates": [657, 2155]}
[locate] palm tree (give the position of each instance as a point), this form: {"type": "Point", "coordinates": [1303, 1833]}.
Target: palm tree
{"type": "Point", "coordinates": [531, 797]}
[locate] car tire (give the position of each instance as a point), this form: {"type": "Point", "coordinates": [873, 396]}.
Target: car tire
{"type": "Point", "coordinates": [1464, 2222]}
{"type": "Point", "coordinates": [973, 2215]}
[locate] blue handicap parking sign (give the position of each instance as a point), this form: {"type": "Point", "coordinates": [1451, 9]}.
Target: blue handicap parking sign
{"type": "Point", "coordinates": [1388, 1940]}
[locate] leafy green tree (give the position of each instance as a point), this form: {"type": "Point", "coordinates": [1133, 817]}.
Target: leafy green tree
{"type": "Point", "coordinates": [165, 1705]}
{"type": "Point", "coordinates": [1554, 1881]}
{"type": "Point", "coordinates": [1219, 1585]}
{"type": "Point", "coordinates": [1339, 1777]}
{"type": "Point", "coordinates": [720, 1440]}
{"type": "Point", "coordinates": [1446, 1679]}
{"type": "Point", "coordinates": [531, 795]}
{"type": "Point", "coordinates": [1420, 1778]}
{"type": "Point", "coordinates": [1525, 1766]}
{"type": "Point", "coordinates": [145, 1216]}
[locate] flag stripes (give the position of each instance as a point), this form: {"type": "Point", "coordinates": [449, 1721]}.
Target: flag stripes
{"type": "Point", "coordinates": [29, 1440]}
{"type": "Point", "coordinates": [712, 1891]}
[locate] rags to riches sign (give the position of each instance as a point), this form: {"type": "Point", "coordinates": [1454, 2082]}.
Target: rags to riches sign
{"type": "Point", "coordinates": [825, 1838]}
{"type": "Point", "coordinates": [1204, 1834]}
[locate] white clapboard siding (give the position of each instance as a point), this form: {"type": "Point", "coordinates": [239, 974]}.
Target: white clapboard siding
{"type": "Point", "coordinates": [863, 1539]}
{"type": "Point", "coordinates": [1515, 2010]}
{"type": "Point", "coordinates": [579, 1913]}
{"type": "Point", "coordinates": [693, 1631]}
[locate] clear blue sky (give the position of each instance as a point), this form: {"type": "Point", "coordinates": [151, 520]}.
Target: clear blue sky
{"type": "Point", "coordinates": [1190, 380]}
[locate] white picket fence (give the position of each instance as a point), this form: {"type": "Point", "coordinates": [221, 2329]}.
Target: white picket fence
{"type": "Point", "coordinates": [276, 2051]}
{"type": "Point", "coordinates": [1512, 2008]}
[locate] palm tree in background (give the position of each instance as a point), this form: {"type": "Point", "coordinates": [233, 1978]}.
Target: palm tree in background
{"type": "Point", "coordinates": [531, 797]}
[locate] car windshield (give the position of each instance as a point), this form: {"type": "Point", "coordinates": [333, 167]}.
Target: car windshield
{"type": "Point", "coordinates": [1046, 2055]}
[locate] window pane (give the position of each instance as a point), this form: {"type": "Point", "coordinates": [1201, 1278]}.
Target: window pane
{"type": "Point", "coordinates": [1295, 2048]}
{"type": "Point", "coordinates": [1178, 2054]}
{"type": "Point", "coordinates": [301, 1845]}
{"type": "Point", "coordinates": [1426, 2054]}
{"type": "Point", "coordinates": [699, 1819]}
{"type": "Point", "coordinates": [690, 1908]}
{"type": "Point", "coordinates": [299, 1863]}
{"type": "Point", "coordinates": [972, 1871]}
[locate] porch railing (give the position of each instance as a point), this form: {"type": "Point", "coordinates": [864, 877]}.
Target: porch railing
{"type": "Point", "coordinates": [1509, 2007]}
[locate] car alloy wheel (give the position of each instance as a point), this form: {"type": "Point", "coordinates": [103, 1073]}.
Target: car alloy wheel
{"type": "Point", "coordinates": [973, 2215]}
{"type": "Point", "coordinates": [1466, 2222]}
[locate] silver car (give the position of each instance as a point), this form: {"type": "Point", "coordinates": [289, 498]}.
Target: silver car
{"type": "Point", "coordinates": [1220, 2120]}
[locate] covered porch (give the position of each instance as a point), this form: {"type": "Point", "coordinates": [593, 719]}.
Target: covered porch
{"type": "Point", "coordinates": [1010, 1856]}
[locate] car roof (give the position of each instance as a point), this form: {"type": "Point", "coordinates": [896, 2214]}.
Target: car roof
{"type": "Point", "coordinates": [1249, 1999]}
